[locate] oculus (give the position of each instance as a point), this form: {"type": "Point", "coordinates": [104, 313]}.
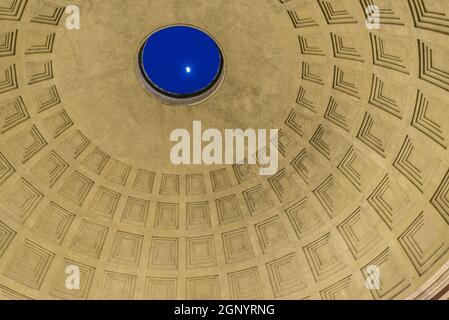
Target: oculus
{"type": "Point", "coordinates": [232, 147]}
{"type": "Point", "coordinates": [180, 64]}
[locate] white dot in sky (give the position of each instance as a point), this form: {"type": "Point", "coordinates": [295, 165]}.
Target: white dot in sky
{"type": "Point", "coordinates": [188, 69]}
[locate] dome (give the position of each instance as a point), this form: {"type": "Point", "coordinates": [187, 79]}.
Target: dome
{"type": "Point", "coordinates": [86, 182]}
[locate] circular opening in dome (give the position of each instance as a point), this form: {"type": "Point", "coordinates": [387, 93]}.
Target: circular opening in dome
{"type": "Point", "coordinates": [180, 64]}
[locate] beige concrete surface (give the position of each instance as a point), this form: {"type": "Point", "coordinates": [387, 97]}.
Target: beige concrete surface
{"type": "Point", "coordinates": [86, 178]}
